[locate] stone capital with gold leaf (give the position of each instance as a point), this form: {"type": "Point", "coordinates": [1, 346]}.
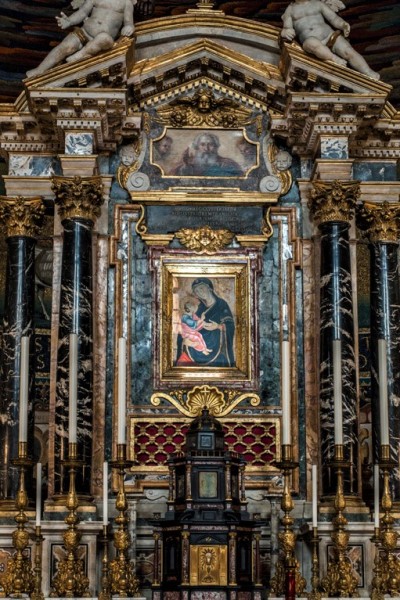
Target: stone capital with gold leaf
{"type": "Point", "coordinates": [381, 222]}
{"type": "Point", "coordinates": [21, 216]}
{"type": "Point", "coordinates": [333, 201]}
{"type": "Point", "coordinates": [78, 197]}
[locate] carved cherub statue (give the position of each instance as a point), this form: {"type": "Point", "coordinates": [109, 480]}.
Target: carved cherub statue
{"type": "Point", "coordinates": [322, 32]}
{"type": "Point", "coordinates": [103, 21]}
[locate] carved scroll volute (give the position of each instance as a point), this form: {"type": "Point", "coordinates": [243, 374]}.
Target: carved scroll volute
{"type": "Point", "coordinates": [381, 222]}
{"type": "Point", "coordinates": [333, 201]}
{"type": "Point", "coordinates": [78, 197]}
{"type": "Point", "coordinates": [21, 216]}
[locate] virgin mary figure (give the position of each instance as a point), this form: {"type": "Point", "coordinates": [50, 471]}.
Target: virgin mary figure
{"type": "Point", "coordinates": [218, 330]}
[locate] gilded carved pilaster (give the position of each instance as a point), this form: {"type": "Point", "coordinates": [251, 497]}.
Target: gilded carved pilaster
{"type": "Point", "coordinates": [21, 216]}
{"type": "Point", "coordinates": [78, 197]}
{"type": "Point", "coordinates": [380, 221]}
{"type": "Point", "coordinates": [333, 201]}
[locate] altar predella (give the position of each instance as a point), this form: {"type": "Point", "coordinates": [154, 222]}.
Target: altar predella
{"type": "Point", "coordinates": [199, 365]}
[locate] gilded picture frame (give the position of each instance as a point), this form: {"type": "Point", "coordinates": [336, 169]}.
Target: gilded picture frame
{"type": "Point", "coordinates": [207, 153]}
{"type": "Point", "coordinates": [204, 319]}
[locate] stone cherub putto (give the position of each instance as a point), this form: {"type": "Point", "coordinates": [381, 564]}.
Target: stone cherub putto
{"type": "Point", "coordinates": [102, 21]}
{"type": "Point", "coordinates": [323, 33]}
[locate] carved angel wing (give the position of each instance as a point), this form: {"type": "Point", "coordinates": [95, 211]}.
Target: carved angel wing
{"type": "Point", "coordinates": [335, 5]}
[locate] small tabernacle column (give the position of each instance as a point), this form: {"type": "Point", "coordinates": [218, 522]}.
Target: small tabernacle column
{"type": "Point", "coordinates": [21, 219]}
{"type": "Point", "coordinates": [332, 204]}
{"type": "Point", "coordinates": [79, 201]}
{"type": "Point", "coordinates": [381, 223]}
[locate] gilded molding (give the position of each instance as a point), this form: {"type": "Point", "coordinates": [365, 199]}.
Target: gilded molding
{"type": "Point", "coordinates": [204, 240]}
{"type": "Point", "coordinates": [381, 222]}
{"type": "Point", "coordinates": [204, 110]}
{"type": "Point", "coordinates": [190, 403]}
{"type": "Point", "coordinates": [78, 197]}
{"type": "Point", "coordinates": [21, 216]}
{"type": "Point", "coordinates": [333, 200]}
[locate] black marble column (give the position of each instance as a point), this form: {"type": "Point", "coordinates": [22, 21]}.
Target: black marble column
{"type": "Point", "coordinates": [79, 200]}
{"type": "Point", "coordinates": [331, 205]}
{"type": "Point", "coordinates": [21, 218]}
{"type": "Point", "coordinates": [382, 225]}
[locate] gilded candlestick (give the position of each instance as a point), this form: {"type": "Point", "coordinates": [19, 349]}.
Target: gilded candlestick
{"type": "Point", "coordinates": [340, 580]}
{"type": "Point", "coordinates": [315, 593]}
{"type": "Point", "coordinates": [105, 593]}
{"type": "Point", "coordinates": [70, 580]}
{"type": "Point", "coordinates": [37, 593]}
{"type": "Point", "coordinates": [287, 580]}
{"type": "Point", "coordinates": [387, 564]}
{"type": "Point", "coordinates": [124, 582]}
{"type": "Point", "coordinates": [377, 580]}
{"type": "Point", "coordinates": [19, 578]}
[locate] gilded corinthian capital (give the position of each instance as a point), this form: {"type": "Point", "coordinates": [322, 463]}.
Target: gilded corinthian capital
{"type": "Point", "coordinates": [78, 197]}
{"type": "Point", "coordinates": [333, 200]}
{"type": "Point", "coordinates": [21, 216]}
{"type": "Point", "coordinates": [381, 222]}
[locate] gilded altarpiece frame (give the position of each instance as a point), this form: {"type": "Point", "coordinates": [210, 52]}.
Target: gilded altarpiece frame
{"type": "Point", "coordinates": [185, 355]}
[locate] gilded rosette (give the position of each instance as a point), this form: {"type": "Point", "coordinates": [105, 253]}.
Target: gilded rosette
{"type": "Point", "coordinates": [333, 201]}
{"type": "Point", "coordinates": [78, 197]}
{"type": "Point", "coordinates": [21, 216]}
{"type": "Point", "coordinates": [381, 222]}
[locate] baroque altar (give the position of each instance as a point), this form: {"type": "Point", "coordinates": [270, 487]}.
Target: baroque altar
{"type": "Point", "coordinates": [195, 203]}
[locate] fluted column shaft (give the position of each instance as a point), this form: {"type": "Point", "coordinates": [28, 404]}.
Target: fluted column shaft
{"type": "Point", "coordinates": [21, 218]}
{"type": "Point", "coordinates": [382, 225]}
{"type": "Point", "coordinates": [79, 200]}
{"type": "Point", "coordinates": [331, 205]}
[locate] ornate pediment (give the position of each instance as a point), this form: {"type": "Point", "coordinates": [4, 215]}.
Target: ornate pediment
{"type": "Point", "coordinates": [172, 58]}
{"type": "Point", "coordinates": [160, 78]}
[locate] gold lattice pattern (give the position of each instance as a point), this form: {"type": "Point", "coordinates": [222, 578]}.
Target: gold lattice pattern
{"type": "Point", "coordinates": [154, 441]}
